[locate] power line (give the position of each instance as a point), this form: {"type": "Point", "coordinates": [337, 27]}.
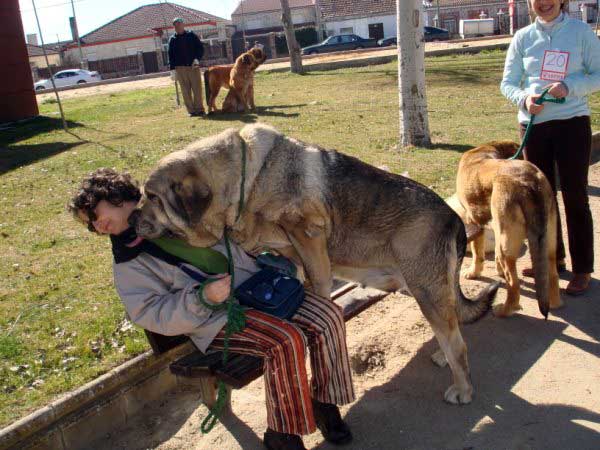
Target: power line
{"type": "Point", "coordinates": [53, 5]}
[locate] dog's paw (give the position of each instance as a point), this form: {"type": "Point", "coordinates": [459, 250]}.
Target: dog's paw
{"type": "Point", "coordinates": [500, 310]}
{"type": "Point", "coordinates": [455, 396]}
{"type": "Point", "coordinates": [471, 274]}
{"type": "Point", "coordinates": [439, 359]}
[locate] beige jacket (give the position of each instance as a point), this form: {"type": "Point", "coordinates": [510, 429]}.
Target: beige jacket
{"type": "Point", "coordinates": [162, 298]}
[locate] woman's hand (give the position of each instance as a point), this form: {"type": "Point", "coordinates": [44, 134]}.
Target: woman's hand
{"type": "Point", "coordinates": [218, 291]}
{"type": "Point", "coordinates": [530, 105]}
{"type": "Point", "coordinates": [558, 90]}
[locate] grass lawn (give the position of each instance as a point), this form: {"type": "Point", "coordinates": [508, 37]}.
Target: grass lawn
{"type": "Point", "coordinates": [61, 323]}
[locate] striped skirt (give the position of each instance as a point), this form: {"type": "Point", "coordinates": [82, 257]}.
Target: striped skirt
{"type": "Point", "coordinates": [319, 325]}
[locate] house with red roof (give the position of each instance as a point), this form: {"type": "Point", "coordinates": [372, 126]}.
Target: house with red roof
{"type": "Point", "coordinates": [146, 30]}
{"type": "Point", "coordinates": [263, 16]}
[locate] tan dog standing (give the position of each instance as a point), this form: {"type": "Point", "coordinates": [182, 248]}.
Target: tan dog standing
{"type": "Point", "coordinates": [518, 200]}
{"type": "Point", "coordinates": [217, 77]}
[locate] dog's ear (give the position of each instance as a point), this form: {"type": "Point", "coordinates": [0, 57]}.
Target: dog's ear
{"type": "Point", "coordinates": [246, 59]}
{"type": "Point", "coordinates": [191, 198]}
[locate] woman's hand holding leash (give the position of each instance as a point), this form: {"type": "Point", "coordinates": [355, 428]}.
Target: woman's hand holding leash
{"type": "Point", "coordinates": [218, 291]}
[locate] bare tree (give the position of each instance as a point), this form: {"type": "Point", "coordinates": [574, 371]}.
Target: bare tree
{"type": "Point", "coordinates": [290, 37]}
{"type": "Point", "coordinates": [414, 122]}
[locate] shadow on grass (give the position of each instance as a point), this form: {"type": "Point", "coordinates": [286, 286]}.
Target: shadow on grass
{"type": "Point", "coordinates": [30, 128]}
{"type": "Point", "coordinates": [461, 148]}
{"type": "Point", "coordinates": [264, 111]}
{"type": "Point", "coordinates": [17, 156]}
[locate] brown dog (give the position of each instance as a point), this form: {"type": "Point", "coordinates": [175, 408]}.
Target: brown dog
{"type": "Point", "coordinates": [517, 198]}
{"type": "Point", "coordinates": [217, 77]}
{"type": "Point", "coordinates": [332, 212]}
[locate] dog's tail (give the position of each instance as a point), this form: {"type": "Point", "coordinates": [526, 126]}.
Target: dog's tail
{"type": "Point", "coordinates": [207, 76]}
{"type": "Point", "coordinates": [540, 217]}
{"type": "Point", "coordinates": [470, 310]}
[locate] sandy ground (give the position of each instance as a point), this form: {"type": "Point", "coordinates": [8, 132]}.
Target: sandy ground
{"type": "Point", "coordinates": [166, 81]}
{"type": "Point", "coordinates": [537, 383]}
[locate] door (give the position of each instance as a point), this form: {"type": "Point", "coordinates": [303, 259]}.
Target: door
{"type": "Point", "coordinates": [150, 62]}
{"type": "Point", "coordinates": [346, 42]}
{"type": "Point", "coordinates": [376, 31]}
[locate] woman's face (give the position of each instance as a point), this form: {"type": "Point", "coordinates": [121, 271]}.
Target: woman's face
{"type": "Point", "coordinates": [547, 10]}
{"type": "Point", "coordinates": [111, 219]}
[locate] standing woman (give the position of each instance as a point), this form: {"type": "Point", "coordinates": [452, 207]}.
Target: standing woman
{"type": "Point", "coordinates": [563, 54]}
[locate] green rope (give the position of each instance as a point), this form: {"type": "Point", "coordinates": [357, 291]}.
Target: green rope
{"type": "Point", "coordinates": [539, 101]}
{"type": "Point", "coordinates": [236, 318]}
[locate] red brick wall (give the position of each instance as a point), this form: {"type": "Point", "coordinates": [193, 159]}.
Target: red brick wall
{"type": "Point", "coordinates": [17, 98]}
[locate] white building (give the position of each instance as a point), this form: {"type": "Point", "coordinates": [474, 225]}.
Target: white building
{"type": "Point", "coordinates": [366, 18]}
{"type": "Point", "coordinates": [258, 16]}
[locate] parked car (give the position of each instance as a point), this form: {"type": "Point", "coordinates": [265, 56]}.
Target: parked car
{"type": "Point", "coordinates": [429, 34]}
{"type": "Point", "coordinates": [339, 42]}
{"type": "Point", "coordinates": [68, 78]}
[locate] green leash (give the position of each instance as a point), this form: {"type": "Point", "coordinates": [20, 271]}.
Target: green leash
{"type": "Point", "coordinates": [236, 318]}
{"type": "Point", "coordinates": [539, 101]}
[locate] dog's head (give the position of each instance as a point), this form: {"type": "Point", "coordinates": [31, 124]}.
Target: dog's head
{"type": "Point", "coordinates": [174, 200]}
{"type": "Point", "coordinates": [258, 55]}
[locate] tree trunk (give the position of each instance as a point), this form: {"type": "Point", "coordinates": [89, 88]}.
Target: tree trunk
{"type": "Point", "coordinates": [414, 123]}
{"type": "Point", "coordinates": [290, 37]}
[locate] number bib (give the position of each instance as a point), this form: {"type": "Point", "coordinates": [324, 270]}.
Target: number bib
{"type": "Point", "coordinates": [554, 65]}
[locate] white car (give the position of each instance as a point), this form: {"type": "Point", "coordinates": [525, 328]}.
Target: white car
{"type": "Point", "coordinates": [68, 78]}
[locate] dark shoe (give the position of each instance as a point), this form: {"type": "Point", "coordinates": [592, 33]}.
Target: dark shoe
{"type": "Point", "coordinates": [282, 441]}
{"type": "Point", "coordinates": [561, 267]}
{"type": "Point", "coordinates": [579, 284]}
{"type": "Point", "coordinates": [329, 421]}
{"type": "Point", "coordinates": [192, 114]}
{"type": "Point", "coordinates": [201, 113]}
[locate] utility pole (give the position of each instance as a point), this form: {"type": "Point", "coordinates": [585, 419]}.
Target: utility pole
{"type": "Point", "coordinates": [414, 122]}
{"type": "Point", "coordinates": [76, 35]}
{"type": "Point", "coordinates": [62, 113]}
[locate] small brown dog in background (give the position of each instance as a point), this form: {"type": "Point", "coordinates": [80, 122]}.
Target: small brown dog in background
{"type": "Point", "coordinates": [517, 198]}
{"type": "Point", "coordinates": [242, 80]}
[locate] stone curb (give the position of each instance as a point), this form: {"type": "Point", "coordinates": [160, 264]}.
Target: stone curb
{"type": "Point", "coordinates": [117, 395]}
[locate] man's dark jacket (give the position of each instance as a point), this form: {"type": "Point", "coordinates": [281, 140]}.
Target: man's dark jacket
{"type": "Point", "coordinates": [184, 48]}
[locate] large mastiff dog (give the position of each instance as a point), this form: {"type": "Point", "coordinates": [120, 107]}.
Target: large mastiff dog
{"type": "Point", "coordinates": [334, 213]}
{"type": "Point", "coordinates": [517, 199]}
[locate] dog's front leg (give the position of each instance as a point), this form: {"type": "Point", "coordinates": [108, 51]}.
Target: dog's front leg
{"type": "Point", "coordinates": [312, 248]}
{"type": "Point", "coordinates": [478, 251]}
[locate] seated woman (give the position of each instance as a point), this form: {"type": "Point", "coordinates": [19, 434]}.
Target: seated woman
{"type": "Point", "coordinates": [161, 297]}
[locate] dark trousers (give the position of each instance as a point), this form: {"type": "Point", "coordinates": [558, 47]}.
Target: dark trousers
{"type": "Point", "coordinates": [566, 145]}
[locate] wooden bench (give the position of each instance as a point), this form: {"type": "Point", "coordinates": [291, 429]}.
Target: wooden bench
{"type": "Point", "coordinates": [241, 370]}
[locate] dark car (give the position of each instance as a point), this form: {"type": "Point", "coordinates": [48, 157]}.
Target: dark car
{"type": "Point", "coordinates": [338, 43]}
{"type": "Point", "coordinates": [429, 34]}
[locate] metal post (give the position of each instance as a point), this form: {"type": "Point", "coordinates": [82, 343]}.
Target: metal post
{"type": "Point", "coordinates": [78, 40]}
{"type": "Point", "coordinates": [62, 114]}
{"type": "Point", "coordinates": [439, 24]}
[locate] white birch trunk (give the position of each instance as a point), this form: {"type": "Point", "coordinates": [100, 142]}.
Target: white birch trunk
{"type": "Point", "coordinates": [290, 37]}
{"type": "Point", "coordinates": [414, 123]}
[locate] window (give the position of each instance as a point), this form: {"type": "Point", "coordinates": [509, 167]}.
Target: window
{"type": "Point", "coordinates": [346, 39]}
{"type": "Point", "coordinates": [348, 30]}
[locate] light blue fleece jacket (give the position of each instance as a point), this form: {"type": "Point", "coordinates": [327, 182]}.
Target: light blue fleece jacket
{"type": "Point", "coordinates": [524, 63]}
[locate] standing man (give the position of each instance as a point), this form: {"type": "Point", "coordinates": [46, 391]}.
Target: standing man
{"type": "Point", "coordinates": [185, 53]}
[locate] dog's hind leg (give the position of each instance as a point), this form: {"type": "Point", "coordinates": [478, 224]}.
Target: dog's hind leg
{"type": "Point", "coordinates": [441, 315]}
{"type": "Point", "coordinates": [478, 250]}
{"type": "Point", "coordinates": [509, 237]}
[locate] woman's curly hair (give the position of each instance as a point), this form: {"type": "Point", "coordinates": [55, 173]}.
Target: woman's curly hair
{"type": "Point", "coordinates": [102, 184]}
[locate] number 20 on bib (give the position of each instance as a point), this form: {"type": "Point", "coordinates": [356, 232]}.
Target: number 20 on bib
{"type": "Point", "coordinates": [554, 65]}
